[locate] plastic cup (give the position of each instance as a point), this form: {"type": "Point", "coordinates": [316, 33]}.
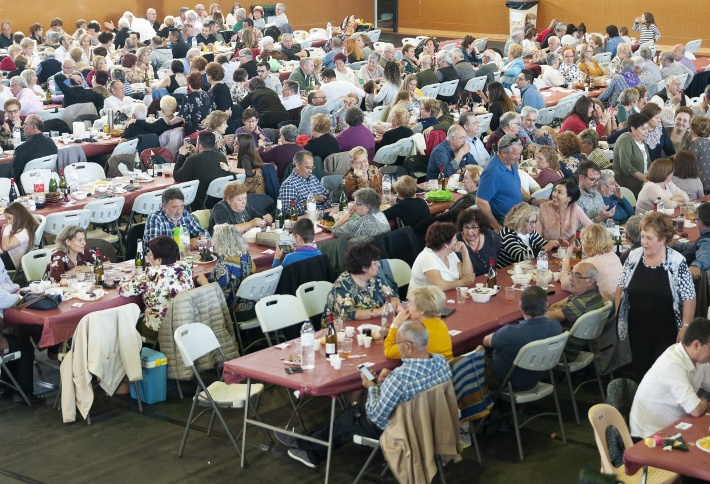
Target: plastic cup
{"type": "Point", "coordinates": [349, 331]}
{"type": "Point", "coordinates": [361, 339]}
{"type": "Point", "coordinates": [368, 341]}
{"type": "Point", "coordinates": [80, 276]}
{"type": "Point", "coordinates": [461, 294]}
{"type": "Point", "coordinates": [347, 346]}
{"type": "Point", "coordinates": [680, 223]}
{"type": "Point", "coordinates": [337, 364]}
{"type": "Point", "coordinates": [316, 344]}
{"type": "Point", "coordinates": [479, 285]}
{"type": "Point", "coordinates": [338, 325]}
{"type": "Point", "coordinates": [509, 295]}
{"type": "Point", "coordinates": [341, 336]}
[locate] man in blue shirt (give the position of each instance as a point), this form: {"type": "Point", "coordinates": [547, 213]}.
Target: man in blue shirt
{"type": "Point", "coordinates": [337, 49]}
{"type": "Point", "coordinates": [420, 371]}
{"type": "Point", "coordinates": [500, 188]}
{"type": "Point", "coordinates": [453, 154]}
{"type": "Point", "coordinates": [529, 94]}
{"type": "Point", "coordinates": [301, 184]}
{"type": "Point", "coordinates": [304, 233]}
{"type": "Point", "coordinates": [612, 39]}
{"type": "Point", "coordinates": [172, 214]}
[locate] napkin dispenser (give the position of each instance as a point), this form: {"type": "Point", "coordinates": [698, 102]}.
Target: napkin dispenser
{"type": "Point", "coordinates": [78, 129]}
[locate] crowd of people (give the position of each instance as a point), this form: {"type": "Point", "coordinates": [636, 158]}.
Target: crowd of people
{"type": "Point", "coordinates": [233, 106]}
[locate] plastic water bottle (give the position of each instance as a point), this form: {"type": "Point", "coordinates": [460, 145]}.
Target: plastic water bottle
{"type": "Point", "coordinates": [386, 188]}
{"type": "Point", "coordinates": [387, 316]}
{"type": "Point", "coordinates": [16, 136]}
{"type": "Point", "coordinates": [542, 267]}
{"type": "Point", "coordinates": [329, 29]}
{"type": "Point", "coordinates": [308, 351]}
{"type": "Point", "coordinates": [194, 42]}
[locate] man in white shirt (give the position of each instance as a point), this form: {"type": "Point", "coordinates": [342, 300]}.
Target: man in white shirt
{"type": "Point", "coordinates": [141, 26]}
{"type": "Point", "coordinates": [63, 50]}
{"type": "Point", "coordinates": [669, 390]}
{"type": "Point", "coordinates": [193, 19]}
{"type": "Point", "coordinates": [118, 101]}
{"type": "Point", "coordinates": [671, 95]}
{"type": "Point", "coordinates": [291, 98]}
{"type": "Point", "coordinates": [280, 18]}
{"type": "Point", "coordinates": [469, 122]}
{"type": "Point", "coordinates": [333, 88]}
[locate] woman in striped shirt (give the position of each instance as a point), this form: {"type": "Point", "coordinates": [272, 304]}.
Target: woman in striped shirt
{"type": "Point", "coordinates": [646, 24]}
{"type": "Point", "coordinates": [519, 237]}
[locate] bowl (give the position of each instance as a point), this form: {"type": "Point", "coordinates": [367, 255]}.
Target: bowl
{"type": "Point", "coordinates": [79, 195]}
{"type": "Point", "coordinates": [522, 279]}
{"type": "Point", "coordinates": [101, 188]}
{"type": "Point", "coordinates": [480, 298]}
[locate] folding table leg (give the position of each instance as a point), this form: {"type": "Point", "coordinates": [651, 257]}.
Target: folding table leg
{"type": "Point", "coordinates": [244, 429]}
{"type": "Point", "coordinates": [330, 438]}
{"type": "Point", "coordinates": [16, 385]}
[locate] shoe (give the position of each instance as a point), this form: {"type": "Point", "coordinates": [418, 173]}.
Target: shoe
{"type": "Point", "coordinates": [302, 457]}
{"type": "Point", "coordinates": [34, 399]}
{"type": "Point", "coordinates": [286, 439]}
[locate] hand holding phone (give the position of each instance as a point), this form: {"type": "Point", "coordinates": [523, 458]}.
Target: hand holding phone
{"type": "Point", "coordinates": [365, 371]}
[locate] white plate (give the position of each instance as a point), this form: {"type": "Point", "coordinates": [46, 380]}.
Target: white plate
{"type": "Point", "coordinates": [697, 444]}
{"type": "Point", "coordinates": [317, 230]}
{"type": "Point", "coordinates": [324, 227]}
{"type": "Point", "coordinates": [557, 256]}
{"type": "Point", "coordinates": [145, 179]}
{"type": "Point", "coordinates": [482, 290]}
{"type": "Point", "coordinates": [462, 191]}
{"type": "Point", "coordinates": [690, 225]}
{"type": "Point", "coordinates": [8, 152]}
{"type": "Point", "coordinates": [196, 260]}
{"type": "Point", "coordinates": [98, 294]}
{"type": "Point", "coordinates": [373, 327]}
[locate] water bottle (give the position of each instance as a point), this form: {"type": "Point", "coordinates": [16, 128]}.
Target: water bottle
{"type": "Point", "coordinates": [329, 29]}
{"type": "Point", "coordinates": [194, 42]}
{"type": "Point", "coordinates": [308, 351]}
{"type": "Point", "coordinates": [386, 188]}
{"type": "Point", "coordinates": [184, 241]}
{"type": "Point", "coordinates": [542, 267]}
{"type": "Point", "coordinates": [387, 316]}
{"type": "Point", "coordinates": [16, 136]}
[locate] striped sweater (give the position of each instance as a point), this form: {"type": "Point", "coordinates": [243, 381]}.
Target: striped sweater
{"type": "Point", "coordinates": [513, 249]}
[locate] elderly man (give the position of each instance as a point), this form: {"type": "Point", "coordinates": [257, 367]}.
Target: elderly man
{"type": "Point", "coordinates": [419, 372]}
{"type": "Point", "coordinates": [160, 53]}
{"type": "Point", "coordinates": [644, 75]}
{"type": "Point", "coordinates": [290, 49]}
{"type": "Point", "coordinates": [118, 101]}
{"type": "Point", "coordinates": [500, 188]}
{"type": "Point", "coordinates": [464, 69]}
{"type": "Point", "coordinates": [333, 88]}
{"type": "Point", "coordinates": [152, 17]}
{"type": "Point", "coordinates": [425, 76]}
{"type": "Point", "coordinates": [121, 33]}
{"type": "Point", "coordinates": [669, 67]}
{"type": "Point", "coordinates": [516, 37]}
{"type": "Point", "coordinates": [651, 67]}
{"type": "Point", "coordinates": [317, 104]}
{"type": "Point", "coordinates": [280, 19]}
{"type": "Point", "coordinates": [75, 92]}
{"type": "Point", "coordinates": [529, 94]}
{"type": "Point", "coordinates": [140, 26]}
{"type": "Point", "coordinates": [303, 74]}
{"type": "Point", "coordinates": [509, 123]}
{"type": "Point", "coordinates": [282, 154]}
{"type": "Point", "coordinates": [36, 146]}
{"type": "Point", "coordinates": [172, 214]}
{"type": "Point", "coordinates": [679, 56]}
{"type": "Point", "coordinates": [469, 122]}
{"type": "Point", "coordinates": [670, 389]}
{"type": "Point", "coordinates": [388, 52]}
{"type": "Point", "coordinates": [450, 156]}
{"type": "Point", "coordinates": [612, 39]}
{"type": "Point", "coordinates": [671, 94]}
{"type": "Point", "coordinates": [204, 165]}
{"type": "Point", "coordinates": [328, 62]}
{"type": "Point", "coordinates": [48, 67]}
{"type": "Point", "coordinates": [559, 32]}
{"type": "Point", "coordinates": [590, 199]}
{"type": "Point", "coordinates": [247, 63]}
{"type": "Point", "coordinates": [529, 133]}
{"type": "Point", "coordinates": [445, 63]}
{"type": "Point", "coordinates": [194, 52]}
{"type": "Point", "coordinates": [201, 12]}
{"type": "Point", "coordinates": [488, 66]}
{"type": "Point", "coordinates": [5, 35]}
{"type": "Point", "coordinates": [291, 97]}
{"type": "Point", "coordinates": [625, 79]}
{"type": "Point", "coordinates": [262, 70]}
{"type": "Point", "coordinates": [555, 46]}
{"type": "Point", "coordinates": [301, 184]}
{"type": "Point", "coordinates": [507, 341]}
{"type": "Point", "coordinates": [194, 19]}
{"type": "Point", "coordinates": [28, 99]}
{"type": "Point", "coordinates": [584, 297]}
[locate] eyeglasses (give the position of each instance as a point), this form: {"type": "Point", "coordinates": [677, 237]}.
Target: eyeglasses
{"type": "Point", "coordinates": [471, 227]}
{"type": "Point", "coordinates": [577, 275]}
{"type": "Point", "coordinates": [400, 342]}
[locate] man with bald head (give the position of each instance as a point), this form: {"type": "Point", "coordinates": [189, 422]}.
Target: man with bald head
{"type": "Point", "coordinates": [36, 146]}
{"type": "Point", "coordinates": [679, 56]}
{"type": "Point", "coordinates": [151, 16]}
{"type": "Point", "coordinates": [453, 154]}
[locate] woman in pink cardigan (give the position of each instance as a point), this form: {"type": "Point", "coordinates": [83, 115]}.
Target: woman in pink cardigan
{"type": "Point", "coordinates": [660, 185]}
{"type": "Point", "coordinates": [560, 218]}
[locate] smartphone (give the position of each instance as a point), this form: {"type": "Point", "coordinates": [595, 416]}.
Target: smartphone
{"type": "Point", "coordinates": [292, 370]}
{"type": "Point", "coordinates": [365, 371]}
{"type": "Point", "coordinates": [447, 312]}
{"type": "Point", "coordinates": [285, 248]}
{"type": "Point", "coordinates": [613, 204]}
{"type": "Point", "coordinates": [188, 143]}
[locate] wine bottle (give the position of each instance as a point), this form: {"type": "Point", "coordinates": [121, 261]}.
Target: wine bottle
{"type": "Point", "coordinates": [293, 213]}
{"type": "Point", "coordinates": [62, 183]}
{"type": "Point", "coordinates": [459, 103]}
{"type": "Point", "coordinates": [338, 129]}
{"type": "Point", "coordinates": [279, 215]}
{"type": "Point", "coordinates": [492, 276]}
{"type": "Point", "coordinates": [577, 247]}
{"type": "Point", "coordinates": [98, 267]}
{"type": "Point", "coordinates": [441, 179]}
{"type": "Point", "coordinates": [151, 164]}
{"type": "Point", "coordinates": [331, 339]}
{"type": "Point", "coordinates": [53, 182]}
{"type": "Point", "coordinates": [13, 192]}
{"type": "Point", "coordinates": [140, 258]}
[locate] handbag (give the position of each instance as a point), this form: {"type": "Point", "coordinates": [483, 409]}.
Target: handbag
{"type": "Point", "coordinates": [41, 301]}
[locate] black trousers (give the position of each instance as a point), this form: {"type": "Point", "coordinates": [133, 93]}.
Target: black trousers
{"type": "Point", "coordinates": [351, 422]}
{"type": "Point", "coordinates": [21, 369]}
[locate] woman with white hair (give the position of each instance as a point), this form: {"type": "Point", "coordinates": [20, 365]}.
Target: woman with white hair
{"type": "Point", "coordinates": [372, 71]}
{"type": "Point", "coordinates": [552, 75]}
{"type": "Point", "coordinates": [370, 221]}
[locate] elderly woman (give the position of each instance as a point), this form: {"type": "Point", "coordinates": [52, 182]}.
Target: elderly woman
{"type": "Point", "coordinates": [686, 174]}
{"type": "Point", "coordinates": [568, 68]}
{"type": "Point", "coordinates": [370, 221]}
{"type": "Point", "coordinates": [322, 142]}
{"type": "Point", "coordinates": [71, 254]}
{"type": "Point", "coordinates": [168, 105]}
{"type": "Point", "coordinates": [633, 236]}
{"type": "Point", "coordinates": [239, 88]}
{"type": "Point", "coordinates": [99, 63]}
{"type": "Point", "coordinates": [548, 166]}
{"type": "Point", "coordinates": [219, 90]}
{"type": "Point", "coordinates": [165, 276]}
{"type": "Point", "coordinates": [386, 91]}
{"type": "Point", "coordinates": [129, 63]}
{"type": "Point", "coordinates": [425, 304]}
{"type": "Point", "coordinates": [482, 243]}
{"type": "Point", "coordinates": [234, 263]}
{"type": "Point", "coordinates": [611, 193]}
{"type": "Point", "coordinates": [561, 217]}
{"type": "Point", "coordinates": [408, 209]}
{"type": "Point", "coordinates": [513, 66]}
{"type": "Point", "coordinates": [660, 185]}
{"type": "Point", "coordinates": [357, 134]}
{"type": "Point", "coordinates": [266, 102]}
{"type": "Point", "coordinates": [578, 119]}
{"type": "Point", "coordinates": [438, 264]}
{"type": "Point", "coordinates": [197, 104]}
{"type": "Point", "coordinates": [36, 31]}
{"type": "Point", "coordinates": [657, 140]}
{"type": "Point", "coordinates": [216, 122]}
{"type": "Point", "coordinates": [343, 72]}
{"type": "Point", "coordinates": [590, 148]}
{"type": "Point", "coordinates": [631, 156]}
{"type": "Point", "coordinates": [680, 132]}
{"type": "Point", "coordinates": [623, 51]}
{"type": "Point", "coordinates": [359, 292]}
{"type": "Point", "coordinates": [655, 299]}
{"type": "Point", "coordinates": [551, 75]}
{"type": "Point", "coordinates": [399, 118]}
{"type": "Point", "coordinates": [628, 99]}
{"type": "Point", "coordinates": [699, 145]}
{"type": "Point", "coordinates": [250, 118]}
{"type": "Point", "coordinates": [471, 180]}
{"type": "Point", "coordinates": [372, 71]}
{"type": "Point", "coordinates": [598, 248]}
{"type": "Point", "coordinates": [361, 174]}
{"type": "Point", "coordinates": [588, 65]}
{"type": "Point", "coordinates": [519, 239]}
{"type": "Point", "coordinates": [233, 210]}
{"type": "Point", "coordinates": [569, 147]}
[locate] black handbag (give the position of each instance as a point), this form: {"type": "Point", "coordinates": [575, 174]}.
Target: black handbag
{"type": "Point", "coordinates": [43, 302]}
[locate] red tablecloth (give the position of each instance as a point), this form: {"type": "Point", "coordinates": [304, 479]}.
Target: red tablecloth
{"type": "Point", "coordinates": [101, 147]}
{"type": "Point", "coordinates": [701, 63]}
{"type": "Point", "coordinates": [554, 95]}
{"type": "Point", "coordinates": [694, 463]}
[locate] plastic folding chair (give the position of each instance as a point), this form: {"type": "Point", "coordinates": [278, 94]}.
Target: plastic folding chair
{"type": "Point", "coordinates": [85, 172]}
{"type": "Point", "coordinates": [484, 120]}
{"type": "Point", "coordinates": [481, 44]}
{"type": "Point", "coordinates": [39, 233]}
{"type": "Point", "coordinates": [145, 204]}
{"type": "Point", "coordinates": [106, 212]}
{"type": "Point", "coordinates": [693, 46]}
{"type": "Point", "coordinates": [451, 46]}
{"type": "Point", "coordinates": [333, 183]}
{"type": "Point", "coordinates": [629, 195]}
{"type": "Point", "coordinates": [27, 179]}
{"type": "Point", "coordinates": [374, 35]}
{"type": "Point", "coordinates": [387, 155]}
{"type": "Point", "coordinates": [255, 287]}
{"type": "Point", "coordinates": [603, 57]}
{"type": "Point", "coordinates": [48, 162]}
{"type": "Point", "coordinates": [4, 187]}
{"type": "Point", "coordinates": [193, 341]}
{"type": "Point", "coordinates": [131, 146]}
{"type": "Point", "coordinates": [544, 193]}
{"type": "Point", "coordinates": [278, 312]}
{"type": "Point", "coordinates": [57, 221]}
{"type": "Point", "coordinates": [5, 371]}
{"type": "Point", "coordinates": [356, 66]}
{"type": "Point", "coordinates": [313, 295]}
{"type": "Point", "coordinates": [216, 188]}
{"type": "Point", "coordinates": [34, 263]}
{"type": "Point", "coordinates": [401, 271]}
{"type": "Point", "coordinates": [378, 114]}
{"type": "Point", "coordinates": [410, 40]}
{"type": "Point", "coordinates": [189, 189]}
{"type": "Point", "coordinates": [432, 90]}
{"type": "Point", "coordinates": [448, 88]}
{"type": "Point", "coordinates": [545, 116]}
{"type": "Point", "coordinates": [475, 83]}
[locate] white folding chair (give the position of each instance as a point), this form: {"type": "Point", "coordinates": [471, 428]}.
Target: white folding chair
{"type": "Point", "coordinates": [216, 188]}
{"type": "Point", "coordinates": [695, 101]}
{"type": "Point", "coordinates": [448, 88]}
{"type": "Point", "coordinates": [163, 73]}
{"type": "Point", "coordinates": [603, 57]}
{"type": "Point", "coordinates": [48, 162]}
{"type": "Point", "coordinates": [27, 179]}
{"type": "Point", "coordinates": [401, 271]}
{"type": "Point", "coordinates": [374, 35]}
{"type": "Point", "coordinates": [145, 204]}
{"type": "Point", "coordinates": [42, 220]}
{"type": "Point", "coordinates": [420, 38]}
{"type": "Point", "coordinates": [106, 212]}
{"type": "Point", "coordinates": [387, 155]}
{"type": "Point", "coordinates": [193, 341]}
{"type": "Point", "coordinates": [565, 105]}
{"type": "Point", "coordinates": [481, 44]}
{"type": "Point", "coordinates": [278, 312]}
{"type": "Point", "coordinates": [6, 371]}
{"type": "Point", "coordinates": [544, 194]}
{"type": "Point", "coordinates": [683, 78]}
{"type": "Point", "coordinates": [356, 66]}
{"type": "Point", "coordinates": [538, 356]}
{"type": "Point", "coordinates": [301, 35]}
{"type": "Point", "coordinates": [484, 121]}
{"type": "Point", "coordinates": [496, 76]}
{"type": "Point", "coordinates": [85, 172]}
{"type": "Point", "coordinates": [181, 90]}
{"type": "Point", "coordinates": [128, 147]}
{"type": "Point", "coordinates": [545, 116]}
{"type": "Point", "coordinates": [4, 187]}
{"type": "Point", "coordinates": [432, 90]}
{"type": "Point", "coordinates": [189, 189]}
{"type": "Point", "coordinates": [588, 327]}
{"type": "Point", "coordinates": [255, 287]}
{"type": "Point", "coordinates": [475, 84]}
{"type": "Point", "coordinates": [629, 195]}
{"type": "Point", "coordinates": [409, 40]}
{"type": "Point", "coordinates": [378, 113]}
{"type": "Point", "coordinates": [34, 263]}
{"type": "Point", "coordinates": [651, 45]}
{"type": "Point", "coordinates": [693, 46]}
{"type": "Point", "coordinates": [378, 46]}
{"type": "Point", "coordinates": [57, 221]}
{"type": "Point", "coordinates": [450, 46]}
{"type": "Point", "coordinates": [539, 83]}
{"type": "Point", "coordinates": [313, 295]}
{"type": "Point", "coordinates": [46, 115]}
{"type": "Point", "coordinates": [652, 89]}
{"type": "Point", "coordinates": [319, 33]}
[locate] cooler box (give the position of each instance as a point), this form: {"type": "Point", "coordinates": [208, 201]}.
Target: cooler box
{"type": "Point", "coordinates": [153, 388]}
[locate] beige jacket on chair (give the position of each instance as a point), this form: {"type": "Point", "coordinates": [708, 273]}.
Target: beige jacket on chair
{"type": "Point", "coordinates": [106, 344]}
{"type": "Point", "coordinates": [420, 429]}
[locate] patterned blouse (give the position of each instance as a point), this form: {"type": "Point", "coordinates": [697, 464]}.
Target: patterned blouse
{"type": "Point", "coordinates": [571, 73]}
{"type": "Point", "coordinates": [346, 296]}
{"type": "Point", "coordinates": [195, 108]}
{"type": "Point", "coordinates": [352, 182]}
{"type": "Point", "coordinates": [60, 263]}
{"type": "Point", "coordinates": [238, 93]}
{"type": "Point", "coordinates": [229, 273]}
{"type": "Point", "coordinates": [158, 285]}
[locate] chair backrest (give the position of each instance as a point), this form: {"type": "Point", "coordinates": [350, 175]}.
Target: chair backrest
{"type": "Point", "coordinates": [189, 189]}
{"type": "Point", "coordinates": [374, 35]}
{"type": "Point", "coordinates": [127, 147]}
{"type": "Point", "coordinates": [484, 120]}
{"type": "Point", "coordinates": [27, 179]}
{"type": "Point", "coordinates": [409, 40]}
{"type": "Point", "coordinates": [387, 155]}
{"type": "Point", "coordinates": [5, 187]}
{"type": "Point", "coordinates": [545, 116]}
{"type": "Point", "coordinates": [481, 43]}
{"type": "Point", "coordinates": [603, 57]}
{"type": "Point", "coordinates": [34, 263]}
{"type": "Point", "coordinates": [683, 78]}
{"type": "Point", "coordinates": [601, 416]}
{"type": "Point", "coordinates": [216, 188]}
{"type": "Point", "coordinates": [195, 340]}
{"type": "Point", "coordinates": [57, 221]}
{"type": "Point", "coordinates": [448, 88]}
{"type": "Point", "coordinates": [147, 203]}
{"type": "Point", "coordinates": [356, 66]}
{"type": "Point", "coordinates": [469, 379]}
{"type": "Point", "coordinates": [564, 107]}
{"type": "Point", "coordinates": [475, 83]}
{"type": "Point", "coordinates": [57, 113]}
{"type": "Point", "coordinates": [42, 220]}
{"type": "Point", "coordinates": [629, 195]}
{"type": "Point", "coordinates": [279, 311]}
{"type": "Point", "coordinates": [336, 163]}
{"type": "Point", "coordinates": [378, 114]}
{"type": "Point", "coordinates": [49, 162]}
{"type": "Point", "coordinates": [450, 46]}
{"type": "Point", "coordinates": [401, 271]}
{"type": "Point", "coordinates": [260, 202]}
{"type": "Point", "coordinates": [590, 325]}
{"type": "Point", "coordinates": [333, 183]}
{"type": "Point", "coordinates": [544, 194]}
{"type": "Point", "coordinates": [378, 45]}
{"type": "Point", "coordinates": [313, 295]}
{"type": "Point", "coordinates": [539, 83]}
{"type": "Point", "coordinates": [85, 172]}
{"type": "Point", "coordinates": [260, 285]}
{"type": "Point", "coordinates": [162, 73]}
{"type": "Point", "coordinates": [693, 46]}
{"type": "Point", "coordinates": [133, 235]}
{"type": "Point", "coordinates": [202, 217]}
{"type": "Point", "coordinates": [105, 211]}
{"type": "Point", "coordinates": [432, 90]}
{"type": "Point", "coordinates": [543, 354]}
{"type": "Point", "coordinates": [181, 90]}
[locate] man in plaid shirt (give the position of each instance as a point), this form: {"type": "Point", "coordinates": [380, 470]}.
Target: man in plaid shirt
{"type": "Point", "coordinates": [419, 371]}
{"type": "Point", "coordinates": [301, 183]}
{"type": "Point", "coordinates": [172, 214]}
